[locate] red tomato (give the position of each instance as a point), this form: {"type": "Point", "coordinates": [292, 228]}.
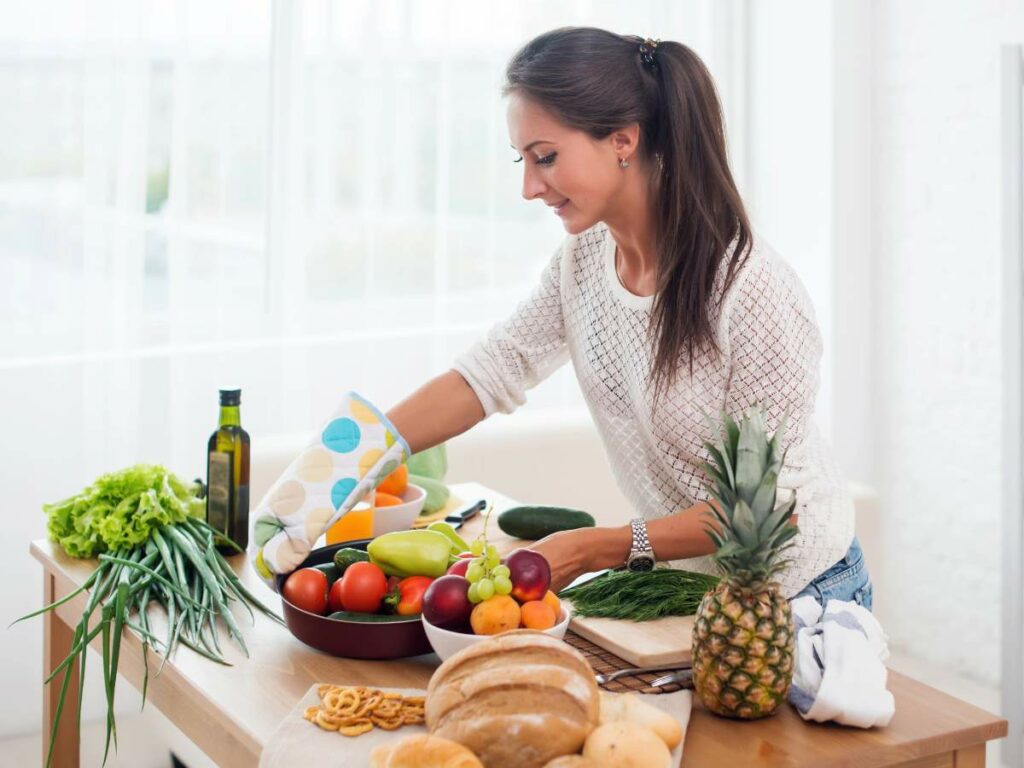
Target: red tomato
{"type": "Point", "coordinates": [334, 597]}
{"type": "Point", "coordinates": [363, 587]}
{"type": "Point", "coordinates": [307, 589]}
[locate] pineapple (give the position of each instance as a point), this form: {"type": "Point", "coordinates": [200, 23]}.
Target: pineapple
{"type": "Point", "coordinates": [743, 634]}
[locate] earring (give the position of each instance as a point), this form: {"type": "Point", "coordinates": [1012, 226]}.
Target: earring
{"type": "Point", "coordinates": [623, 163]}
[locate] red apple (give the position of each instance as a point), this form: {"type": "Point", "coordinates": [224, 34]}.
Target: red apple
{"type": "Point", "coordinates": [530, 575]}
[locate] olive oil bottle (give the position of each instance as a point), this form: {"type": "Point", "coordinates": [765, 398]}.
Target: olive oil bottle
{"type": "Point", "coordinates": [227, 473]}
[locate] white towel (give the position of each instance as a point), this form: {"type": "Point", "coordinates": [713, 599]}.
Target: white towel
{"type": "Point", "coordinates": [840, 674]}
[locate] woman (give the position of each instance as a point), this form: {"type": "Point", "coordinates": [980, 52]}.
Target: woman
{"type": "Point", "coordinates": [660, 293]}
{"type": "Point", "coordinates": [664, 299]}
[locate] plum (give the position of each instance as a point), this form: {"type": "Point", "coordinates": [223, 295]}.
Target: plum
{"type": "Point", "coordinates": [530, 575]}
{"type": "Point", "coordinates": [446, 604]}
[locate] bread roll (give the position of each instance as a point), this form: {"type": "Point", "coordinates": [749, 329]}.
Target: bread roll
{"type": "Point", "coordinates": [631, 708]}
{"type": "Point", "coordinates": [517, 700]}
{"type": "Point", "coordinates": [572, 761]}
{"type": "Point", "coordinates": [423, 751]}
{"type": "Point", "coordinates": [626, 745]}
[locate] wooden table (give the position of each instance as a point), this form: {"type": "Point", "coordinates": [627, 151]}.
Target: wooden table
{"type": "Point", "coordinates": [230, 711]}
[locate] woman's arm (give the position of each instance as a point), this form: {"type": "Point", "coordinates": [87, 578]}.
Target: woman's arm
{"type": "Point", "coordinates": [442, 408]}
{"type": "Point", "coordinates": [673, 537]}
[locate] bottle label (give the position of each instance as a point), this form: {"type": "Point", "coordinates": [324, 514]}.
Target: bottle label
{"type": "Point", "coordinates": [218, 494]}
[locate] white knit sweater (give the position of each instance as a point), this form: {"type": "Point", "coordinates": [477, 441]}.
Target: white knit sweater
{"type": "Point", "coordinates": [770, 354]}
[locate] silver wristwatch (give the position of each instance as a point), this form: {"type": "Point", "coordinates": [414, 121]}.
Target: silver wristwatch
{"type": "Point", "coordinates": [641, 556]}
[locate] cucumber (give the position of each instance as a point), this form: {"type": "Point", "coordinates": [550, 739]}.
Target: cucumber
{"type": "Point", "coordinates": [331, 571]}
{"type": "Point", "coordinates": [374, 618]}
{"type": "Point", "coordinates": [345, 557]}
{"type": "Point", "coordinates": [536, 522]}
{"type": "Point", "coordinates": [437, 493]}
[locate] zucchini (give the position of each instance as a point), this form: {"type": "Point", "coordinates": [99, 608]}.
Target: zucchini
{"type": "Point", "coordinates": [346, 556]}
{"type": "Point", "coordinates": [536, 522]}
{"type": "Point", "coordinates": [370, 617]}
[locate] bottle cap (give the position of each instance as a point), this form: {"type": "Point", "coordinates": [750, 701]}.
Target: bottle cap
{"type": "Point", "coordinates": [230, 395]}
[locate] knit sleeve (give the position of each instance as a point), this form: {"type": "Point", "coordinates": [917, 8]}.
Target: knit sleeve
{"type": "Point", "coordinates": [521, 351]}
{"type": "Point", "coordinates": [774, 348]}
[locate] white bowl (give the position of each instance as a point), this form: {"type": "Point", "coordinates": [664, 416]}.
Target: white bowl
{"type": "Point", "coordinates": [447, 643]}
{"type": "Point", "coordinates": [401, 516]}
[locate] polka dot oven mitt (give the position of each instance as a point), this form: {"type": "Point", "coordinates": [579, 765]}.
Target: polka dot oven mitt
{"type": "Point", "coordinates": [356, 449]}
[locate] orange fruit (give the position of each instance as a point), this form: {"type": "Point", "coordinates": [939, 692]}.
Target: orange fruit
{"type": "Point", "coordinates": [496, 614]}
{"type": "Point", "coordinates": [381, 499]}
{"type": "Point", "coordinates": [556, 605]}
{"type": "Point", "coordinates": [396, 482]}
{"type": "Point", "coordinates": [537, 614]}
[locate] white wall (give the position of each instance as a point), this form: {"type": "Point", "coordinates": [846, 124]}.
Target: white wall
{"type": "Point", "coordinates": [937, 346]}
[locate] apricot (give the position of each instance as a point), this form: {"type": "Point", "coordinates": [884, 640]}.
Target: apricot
{"type": "Point", "coordinates": [497, 614]}
{"type": "Point", "coordinates": [537, 614]}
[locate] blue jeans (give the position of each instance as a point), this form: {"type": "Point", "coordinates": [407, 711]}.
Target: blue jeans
{"type": "Point", "coordinates": [846, 580]}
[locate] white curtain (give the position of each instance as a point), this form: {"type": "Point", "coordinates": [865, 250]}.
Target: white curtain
{"type": "Point", "coordinates": [296, 198]}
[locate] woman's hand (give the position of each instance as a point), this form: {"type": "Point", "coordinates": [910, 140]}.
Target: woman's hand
{"type": "Point", "coordinates": [566, 553]}
{"type": "Point", "coordinates": [572, 553]}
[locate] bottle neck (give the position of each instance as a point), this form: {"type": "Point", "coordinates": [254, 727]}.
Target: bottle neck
{"type": "Point", "coordinates": [230, 416]}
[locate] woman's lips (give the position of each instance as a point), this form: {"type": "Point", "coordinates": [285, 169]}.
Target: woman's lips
{"type": "Point", "coordinates": [561, 207]}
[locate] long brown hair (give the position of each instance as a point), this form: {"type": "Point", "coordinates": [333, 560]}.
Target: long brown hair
{"type": "Point", "coordinates": [596, 81]}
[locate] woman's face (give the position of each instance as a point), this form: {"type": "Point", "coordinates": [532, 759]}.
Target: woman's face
{"type": "Point", "coordinates": [562, 166]}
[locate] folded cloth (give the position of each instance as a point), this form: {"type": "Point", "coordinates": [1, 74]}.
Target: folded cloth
{"type": "Point", "coordinates": [351, 455]}
{"type": "Point", "coordinates": [839, 673]}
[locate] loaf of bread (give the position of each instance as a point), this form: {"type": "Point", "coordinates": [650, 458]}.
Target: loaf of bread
{"type": "Point", "coordinates": [626, 745]}
{"type": "Point", "coordinates": [617, 707]}
{"type": "Point", "coordinates": [517, 700]}
{"type": "Point", "coordinates": [423, 751]}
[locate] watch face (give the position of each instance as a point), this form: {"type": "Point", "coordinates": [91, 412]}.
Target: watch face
{"type": "Point", "coordinates": [640, 563]}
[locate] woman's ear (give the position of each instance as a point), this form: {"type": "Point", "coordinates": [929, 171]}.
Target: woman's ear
{"type": "Point", "coordinates": [626, 140]}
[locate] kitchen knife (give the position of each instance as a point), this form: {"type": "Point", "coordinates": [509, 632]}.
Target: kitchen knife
{"type": "Point", "coordinates": [456, 519]}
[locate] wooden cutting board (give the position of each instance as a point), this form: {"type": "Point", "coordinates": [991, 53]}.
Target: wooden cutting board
{"type": "Point", "coordinates": [642, 643]}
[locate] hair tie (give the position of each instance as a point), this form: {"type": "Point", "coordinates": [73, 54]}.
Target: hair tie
{"type": "Point", "coordinates": [647, 50]}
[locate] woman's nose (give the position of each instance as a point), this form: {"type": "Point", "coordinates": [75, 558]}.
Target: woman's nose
{"type": "Point", "coordinates": [533, 185]}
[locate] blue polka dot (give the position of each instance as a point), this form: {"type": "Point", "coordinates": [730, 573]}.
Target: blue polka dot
{"type": "Point", "coordinates": [342, 435]}
{"type": "Point", "coordinates": [342, 490]}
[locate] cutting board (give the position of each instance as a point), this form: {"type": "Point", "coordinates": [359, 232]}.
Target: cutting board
{"type": "Point", "coordinates": [642, 643]}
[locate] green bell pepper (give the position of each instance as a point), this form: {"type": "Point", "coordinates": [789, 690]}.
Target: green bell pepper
{"type": "Point", "coordinates": [411, 553]}
{"type": "Point", "coordinates": [458, 543]}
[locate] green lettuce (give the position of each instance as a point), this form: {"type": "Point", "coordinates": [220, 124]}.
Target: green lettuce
{"type": "Point", "coordinates": [118, 510]}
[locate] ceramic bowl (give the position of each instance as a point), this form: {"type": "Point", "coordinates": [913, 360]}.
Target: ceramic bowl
{"type": "Point", "coordinates": [400, 517]}
{"type": "Point", "coordinates": [352, 639]}
{"type": "Point", "coordinates": [447, 643]}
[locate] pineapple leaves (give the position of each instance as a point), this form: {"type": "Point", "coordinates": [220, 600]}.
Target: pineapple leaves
{"type": "Point", "coordinates": [749, 531]}
{"type": "Point", "coordinates": [744, 525]}
{"type": "Point", "coordinates": [751, 457]}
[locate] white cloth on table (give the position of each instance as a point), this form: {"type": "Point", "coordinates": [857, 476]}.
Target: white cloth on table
{"type": "Point", "coordinates": [839, 668]}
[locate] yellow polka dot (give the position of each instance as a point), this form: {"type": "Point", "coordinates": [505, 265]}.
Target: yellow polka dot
{"type": "Point", "coordinates": [389, 439]}
{"type": "Point", "coordinates": [362, 413]}
{"type": "Point", "coordinates": [316, 522]}
{"type": "Point", "coordinates": [368, 459]}
{"type": "Point", "coordinates": [288, 498]}
{"type": "Point", "coordinates": [315, 466]}
{"type": "Point", "coordinates": [261, 566]}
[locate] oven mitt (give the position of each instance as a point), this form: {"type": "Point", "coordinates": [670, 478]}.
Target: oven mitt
{"type": "Point", "coordinates": [353, 453]}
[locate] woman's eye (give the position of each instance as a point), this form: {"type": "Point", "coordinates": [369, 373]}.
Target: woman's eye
{"type": "Point", "coordinates": [541, 161]}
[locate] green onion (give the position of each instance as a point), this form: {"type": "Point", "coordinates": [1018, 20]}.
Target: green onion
{"type": "Point", "coordinates": [640, 595]}
{"type": "Point", "coordinates": [176, 568]}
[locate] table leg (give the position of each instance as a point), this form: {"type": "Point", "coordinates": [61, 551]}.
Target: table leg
{"type": "Point", "coordinates": [57, 638]}
{"type": "Point", "coordinates": [970, 757]}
